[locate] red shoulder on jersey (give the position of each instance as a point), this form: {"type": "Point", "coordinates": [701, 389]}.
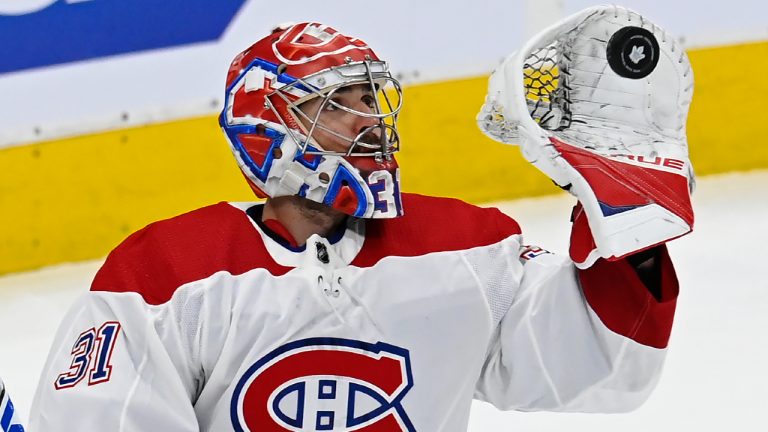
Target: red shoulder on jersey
{"type": "Point", "coordinates": [158, 259]}
{"type": "Point", "coordinates": [432, 224]}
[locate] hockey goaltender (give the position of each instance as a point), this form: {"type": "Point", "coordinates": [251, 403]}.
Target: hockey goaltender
{"type": "Point", "coordinates": [342, 303]}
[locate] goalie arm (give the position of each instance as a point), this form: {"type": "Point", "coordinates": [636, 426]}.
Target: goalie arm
{"type": "Point", "coordinates": [121, 358]}
{"type": "Point", "coordinates": [589, 340]}
{"type": "Point", "coordinates": [109, 369]}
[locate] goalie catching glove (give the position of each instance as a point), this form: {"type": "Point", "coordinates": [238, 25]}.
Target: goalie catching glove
{"type": "Point", "coordinates": [598, 102]}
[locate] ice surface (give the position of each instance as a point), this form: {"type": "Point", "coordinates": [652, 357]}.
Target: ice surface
{"type": "Point", "coordinates": [716, 376]}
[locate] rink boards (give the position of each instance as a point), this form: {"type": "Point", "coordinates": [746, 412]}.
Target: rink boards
{"type": "Point", "coordinates": [76, 198]}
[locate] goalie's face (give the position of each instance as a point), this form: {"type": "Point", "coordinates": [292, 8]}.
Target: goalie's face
{"type": "Point", "coordinates": [345, 121]}
{"type": "Point", "coordinates": [353, 119]}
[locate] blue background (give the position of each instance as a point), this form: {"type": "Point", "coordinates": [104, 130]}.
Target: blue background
{"type": "Point", "coordinates": [64, 32]}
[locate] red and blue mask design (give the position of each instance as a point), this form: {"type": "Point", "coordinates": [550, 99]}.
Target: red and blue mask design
{"type": "Point", "coordinates": [276, 151]}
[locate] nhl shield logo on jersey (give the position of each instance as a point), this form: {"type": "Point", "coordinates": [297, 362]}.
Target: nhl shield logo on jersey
{"type": "Point", "coordinates": [325, 384]}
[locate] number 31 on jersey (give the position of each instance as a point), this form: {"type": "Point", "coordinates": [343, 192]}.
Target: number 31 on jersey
{"type": "Point", "coordinates": [91, 356]}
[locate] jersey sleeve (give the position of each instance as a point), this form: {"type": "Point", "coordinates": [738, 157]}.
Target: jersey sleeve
{"type": "Point", "coordinates": [119, 362]}
{"type": "Point", "coordinates": [570, 340]}
{"type": "Point", "coordinates": [110, 369]}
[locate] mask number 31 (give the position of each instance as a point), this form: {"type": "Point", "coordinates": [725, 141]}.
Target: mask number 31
{"type": "Point", "coordinates": [91, 356]}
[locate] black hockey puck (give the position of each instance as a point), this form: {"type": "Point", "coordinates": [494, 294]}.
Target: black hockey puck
{"type": "Point", "coordinates": [633, 52]}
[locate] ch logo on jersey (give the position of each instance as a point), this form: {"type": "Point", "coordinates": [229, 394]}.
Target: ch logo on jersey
{"type": "Point", "coordinates": [325, 384]}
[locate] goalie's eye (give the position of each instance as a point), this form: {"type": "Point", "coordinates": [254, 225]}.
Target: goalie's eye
{"type": "Point", "coordinates": [357, 97]}
{"type": "Point", "coordinates": [369, 101]}
{"type": "Point", "coordinates": [332, 105]}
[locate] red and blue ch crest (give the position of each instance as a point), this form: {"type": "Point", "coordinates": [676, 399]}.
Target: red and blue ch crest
{"type": "Point", "coordinates": [321, 384]}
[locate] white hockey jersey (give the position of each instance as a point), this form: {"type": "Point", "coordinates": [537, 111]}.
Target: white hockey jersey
{"type": "Point", "coordinates": [210, 321]}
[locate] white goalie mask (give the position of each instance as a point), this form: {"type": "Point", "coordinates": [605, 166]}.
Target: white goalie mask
{"type": "Point", "coordinates": [599, 102]}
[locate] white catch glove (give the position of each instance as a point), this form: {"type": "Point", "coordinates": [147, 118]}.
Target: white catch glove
{"type": "Point", "coordinates": [598, 102]}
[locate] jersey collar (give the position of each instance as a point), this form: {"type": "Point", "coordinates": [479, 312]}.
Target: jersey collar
{"type": "Point", "coordinates": [342, 246]}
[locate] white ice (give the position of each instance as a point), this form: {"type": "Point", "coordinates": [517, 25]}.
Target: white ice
{"type": "Point", "coordinates": [716, 376]}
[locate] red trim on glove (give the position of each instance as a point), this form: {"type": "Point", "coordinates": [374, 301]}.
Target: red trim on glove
{"type": "Point", "coordinates": [616, 294]}
{"type": "Point", "coordinates": [622, 184]}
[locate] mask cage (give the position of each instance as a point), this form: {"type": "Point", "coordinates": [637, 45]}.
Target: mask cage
{"type": "Point", "coordinates": [387, 100]}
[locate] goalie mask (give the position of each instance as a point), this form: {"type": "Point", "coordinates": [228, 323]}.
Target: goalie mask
{"type": "Point", "coordinates": [278, 141]}
{"type": "Point", "coordinates": [599, 102]}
